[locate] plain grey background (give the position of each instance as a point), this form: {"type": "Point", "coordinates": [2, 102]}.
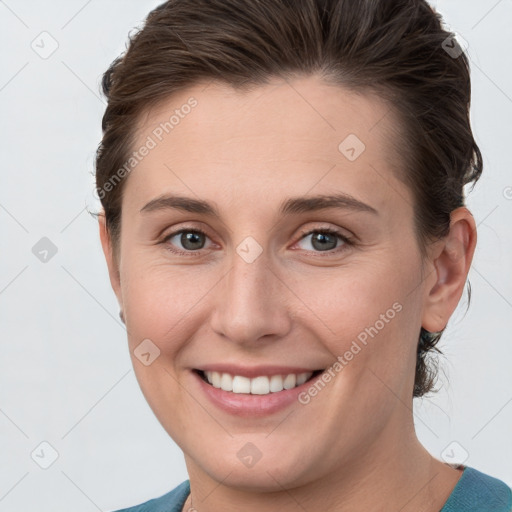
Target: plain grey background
{"type": "Point", "coordinates": [66, 378]}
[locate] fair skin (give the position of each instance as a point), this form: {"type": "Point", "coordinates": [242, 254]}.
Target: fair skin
{"type": "Point", "coordinates": [353, 446]}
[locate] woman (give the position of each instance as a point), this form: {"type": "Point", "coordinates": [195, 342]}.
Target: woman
{"type": "Point", "coordinates": [284, 226]}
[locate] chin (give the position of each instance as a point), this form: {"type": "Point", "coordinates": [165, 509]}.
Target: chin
{"type": "Point", "coordinates": [269, 473]}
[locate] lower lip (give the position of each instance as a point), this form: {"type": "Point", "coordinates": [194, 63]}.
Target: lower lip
{"type": "Point", "coordinates": [243, 404]}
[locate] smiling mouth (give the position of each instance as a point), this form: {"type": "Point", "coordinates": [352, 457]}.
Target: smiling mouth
{"type": "Point", "coordinates": [261, 385]}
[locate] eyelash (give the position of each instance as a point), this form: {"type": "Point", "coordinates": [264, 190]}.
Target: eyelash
{"type": "Point", "coordinates": [348, 242]}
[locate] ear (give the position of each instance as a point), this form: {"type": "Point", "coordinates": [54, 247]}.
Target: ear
{"type": "Point", "coordinates": [112, 264]}
{"type": "Point", "coordinates": [451, 259]}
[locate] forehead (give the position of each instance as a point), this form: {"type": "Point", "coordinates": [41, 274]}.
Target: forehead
{"type": "Point", "coordinates": [282, 138]}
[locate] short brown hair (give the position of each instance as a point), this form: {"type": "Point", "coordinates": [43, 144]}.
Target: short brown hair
{"type": "Point", "coordinates": [397, 49]}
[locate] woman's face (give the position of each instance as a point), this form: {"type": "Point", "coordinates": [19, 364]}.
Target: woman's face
{"type": "Point", "coordinates": [256, 295]}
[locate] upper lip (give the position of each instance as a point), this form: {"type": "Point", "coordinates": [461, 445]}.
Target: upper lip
{"type": "Point", "coordinates": [255, 371]}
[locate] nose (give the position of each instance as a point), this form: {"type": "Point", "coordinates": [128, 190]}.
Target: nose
{"type": "Point", "coordinates": [251, 302]}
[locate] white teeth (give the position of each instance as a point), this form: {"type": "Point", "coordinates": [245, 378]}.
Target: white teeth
{"type": "Point", "coordinates": [215, 380]}
{"type": "Point", "coordinates": [290, 381]}
{"type": "Point", "coordinates": [226, 382]}
{"type": "Point", "coordinates": [301, 378]}
{"type": "Point", "coordinates": [240, 384]}
{"type": "Point", "coordinates": [261, 385]}
{"type": "Point", "coordinates": [276, 383]}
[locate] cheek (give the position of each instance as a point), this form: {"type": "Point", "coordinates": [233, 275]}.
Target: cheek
{"type": "Point", "coordinates": [367, 320]}
{"type": "Point", "coordinates": [350, 298]}
{"type": "Point", "coordinates": [161, 300]}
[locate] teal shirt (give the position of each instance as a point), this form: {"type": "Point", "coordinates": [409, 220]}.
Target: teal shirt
{"type": "Point", "coordinates": [474, 492]}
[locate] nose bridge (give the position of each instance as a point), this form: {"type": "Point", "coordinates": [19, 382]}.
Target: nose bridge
{"type": "Point", "coordinates": [248, 281]}
{"type": "Point", "coordinates": [249, 305]}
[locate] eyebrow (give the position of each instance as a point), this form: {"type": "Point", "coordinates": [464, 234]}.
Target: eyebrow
{"type": "Point", "coordinates": [293, 205]}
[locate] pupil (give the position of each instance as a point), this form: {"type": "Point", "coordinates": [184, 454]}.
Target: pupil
{"type": "Point", "coordinates": [322, 238]}
{"type": "Point", "coordinates": [190, 240]}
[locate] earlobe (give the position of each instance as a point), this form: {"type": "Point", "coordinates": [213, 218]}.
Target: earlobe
{"type": "Point", "coordinates": [112, 265]}
{"type": "Point", "coordinates": [451, 263]}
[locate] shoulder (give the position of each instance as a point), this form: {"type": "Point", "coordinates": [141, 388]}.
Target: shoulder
{"type": "Point", "coordinates": [173, 501]}
{"type": "Point", "coordinates": [478, 492]}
